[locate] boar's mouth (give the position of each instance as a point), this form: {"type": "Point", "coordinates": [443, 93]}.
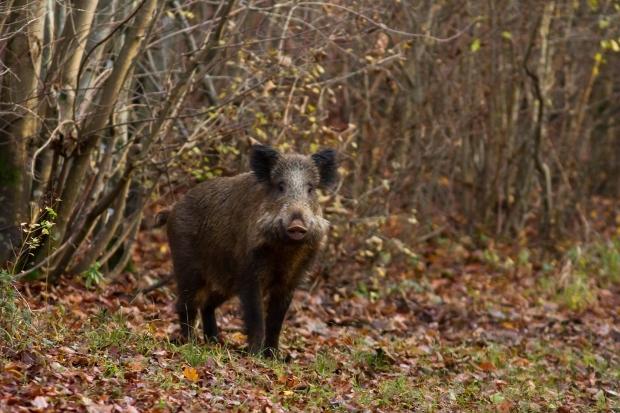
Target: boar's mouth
{"type": "Point", "coordinates": [296, 230]}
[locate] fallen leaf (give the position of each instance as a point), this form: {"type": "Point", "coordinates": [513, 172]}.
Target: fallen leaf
{"type": "Point", "coordinates": [191, 374]}
{"type": "Point", "coordinates": [505, 406]}
{"type": "Point", "coordinates": [486, 366]}
{"type": "Point", "coordinates": [237, 337]}
{"type": "Point", "coordinates": [40, 402]}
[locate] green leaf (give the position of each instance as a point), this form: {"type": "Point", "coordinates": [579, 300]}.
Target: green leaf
{"type": "Point", "coordinates": [497, 398]}
{"type": "Point", "coordinates": [475, 45]}
{"type": "Point", "coordinates": [51, 213]}
{"type": "Point", "coordinates": [93, 276]}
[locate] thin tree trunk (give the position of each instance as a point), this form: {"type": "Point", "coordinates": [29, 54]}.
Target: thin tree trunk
{"type": "Point", "coordinates": [19, 93]}
{"type": "Point", "coordinates": [96, 124]}
{"type": "Point", "coordinates": [59, 109]}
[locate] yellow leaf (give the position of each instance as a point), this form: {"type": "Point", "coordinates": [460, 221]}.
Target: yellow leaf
{"type": "Point", "coordinates": [444, 181]}
{"type": "Point", "coordinates": [260, 133]}
{"type": "Point", "coordinates": [237, 337]}
{"type": "Point", "coordinates": [269, 86]}
{"type": "Point", "coordinates": [287, 392]}
{"type": "Point", "coordinates": [508, 325]}
{"type": "Point", "coordinates": [191, 374]}
{"type": "Point", "coordinates": [598, 57]}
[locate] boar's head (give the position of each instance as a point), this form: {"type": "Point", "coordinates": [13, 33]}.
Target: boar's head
{"type": "Point", "coordinates": [291, 210]}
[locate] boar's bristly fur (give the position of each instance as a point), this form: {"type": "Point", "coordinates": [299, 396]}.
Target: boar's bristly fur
{"type": "Point", "coordinates": [254, 236]}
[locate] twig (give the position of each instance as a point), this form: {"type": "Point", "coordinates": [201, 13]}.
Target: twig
{"type": "Point", "coordinates": [166, 280]}
{"type": "Point", "coordinates": [431, 234]}
{"type": "Point", "coordinates": [382, 26]}
{"type": "Point", "coordinates": [49, 140]}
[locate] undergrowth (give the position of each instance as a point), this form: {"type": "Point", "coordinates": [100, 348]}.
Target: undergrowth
{"type": "Point", "coordinates": [584, 270]}
{"type": "Point", "coordinates": [15, 315]}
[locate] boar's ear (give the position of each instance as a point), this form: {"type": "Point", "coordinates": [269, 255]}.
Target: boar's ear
{"type": "Point", "coordinates": [262, 160]}
{"type": "Point", "coordinates": [325, 160]}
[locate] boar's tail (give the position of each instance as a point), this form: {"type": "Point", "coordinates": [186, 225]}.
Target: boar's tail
{"type": "Point", "coordinates": [161, 218]}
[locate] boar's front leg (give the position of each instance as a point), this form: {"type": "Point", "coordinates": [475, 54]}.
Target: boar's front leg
{"type": "Point", "coordinates": [252, 306]}
{"type": "Point", "coordinates": [209, 324]}
{"type": "Point", "coordinates": [279, 301]}
{"type": "Point", "coordinates": [187, 311]}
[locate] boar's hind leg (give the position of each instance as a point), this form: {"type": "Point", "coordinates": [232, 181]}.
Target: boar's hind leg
{"type": "Point", "coordinates": [209, 324]}
{"type": "Point", "coordinates": [252, 307]}
{"type": "Point", "coordinates": [279, 301]}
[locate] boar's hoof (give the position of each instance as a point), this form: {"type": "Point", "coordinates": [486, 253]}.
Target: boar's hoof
{"type": "Point", "coordinates": [276, 354]}
{"type": "Point", "coordinates": [271, 353]}
{"type": "Point", "coordinates": [255, 350]}
{"type": "Point", "coordinates": [213, 339]}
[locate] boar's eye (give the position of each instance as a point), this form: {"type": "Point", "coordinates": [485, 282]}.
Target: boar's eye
{"type": "Point", "coordinates": [281, 187]}
{"type": "Point", "coordinates": [310, 189]}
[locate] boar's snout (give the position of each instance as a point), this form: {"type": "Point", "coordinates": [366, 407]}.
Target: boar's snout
{"type": "Point", "coordinates": [296, 229]}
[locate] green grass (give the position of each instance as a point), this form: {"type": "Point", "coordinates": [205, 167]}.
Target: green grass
{"type": "Point", "coordinates": [576, 280]}
{"type": "Point", "coordinates": [325, 365]}
{"type": "Point", "coordinates": [15, 316]}
{"type": "Point", "coordinates": [194, 354]}
{"type": "Point", "coordinates": [398, 391]}
{"type": "Point", "coordinates": [107, 335]}
{"type": "Point", "coordinates": [112, 368]}
{"type": "Point", "coordinates": [600, 259]}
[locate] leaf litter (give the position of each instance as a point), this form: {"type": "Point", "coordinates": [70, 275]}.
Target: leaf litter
{"type": "Point", "coordinates": [455, 332]}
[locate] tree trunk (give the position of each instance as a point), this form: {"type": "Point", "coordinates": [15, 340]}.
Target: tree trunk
{"type": "Point", "coordinates": [96, 124]}
{"type": "Point", "coordinates": [18, 122]}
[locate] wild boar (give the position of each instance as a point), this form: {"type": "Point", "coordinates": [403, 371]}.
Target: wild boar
{"type": "Point", "coordinates": [253, 235]}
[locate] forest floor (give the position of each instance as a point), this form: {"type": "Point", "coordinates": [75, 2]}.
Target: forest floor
{"type": "Point", "coordinates": [456, 329]}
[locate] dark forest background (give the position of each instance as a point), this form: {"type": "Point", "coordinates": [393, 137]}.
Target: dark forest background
{"type": "Point", "coordinates": [498, 118]}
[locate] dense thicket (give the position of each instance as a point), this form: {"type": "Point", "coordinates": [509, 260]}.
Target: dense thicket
{"type": "Point", "coordinates": [497, 114]}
